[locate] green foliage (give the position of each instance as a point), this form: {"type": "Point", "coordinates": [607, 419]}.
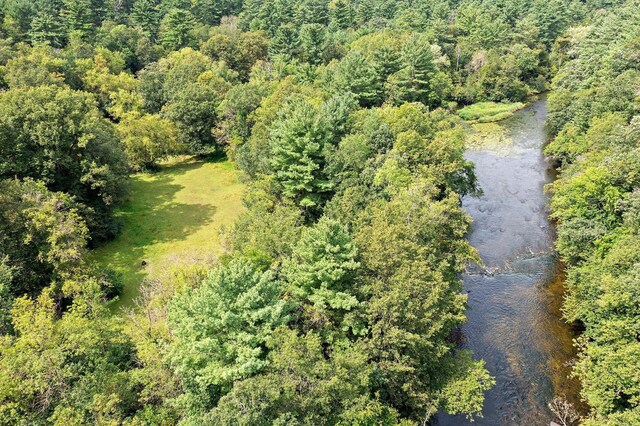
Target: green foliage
{"type": "Point", "coordinates": [220, 328]}
{"type": "Point", "coordinates": [58, 136]}
{"type": "Point", "coordinates": [71, 370]}
{"type": "Point", "coordinates": [412, 250]}
{"type": "Point", "coordinates": [175, 29]}
{"type": "Point", "coordinates": [414, 81]}
{"type": "Point", "coordinates": [593, 118]}
{"type": "Point", "coordinates": [336, 297]}
{"type": "Point", "coordinates": [147, 139]}
{"type": "Point", "coordinates": [239, 50]}
{"type": "Point", "coordinates": [6, 296]}
{"type": "Point", "coordinates": [356, 74]}
{"type": "Point", "coordinates": [186, 87]}
{"type": "Point", "coordinates": [301, 385]}
{"type": "Point", "coordinates": [38, 66]}
{"type": "Point", "coordinates": [297, 140]}
{"type": "Point", "coordinates": [321, 274]}
{"type": "Point", "coordinates": [43, 236]}
{"type": "Point", "coordinates": [486, 112]}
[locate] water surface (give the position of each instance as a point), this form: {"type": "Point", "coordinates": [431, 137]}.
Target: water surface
{"type": "Point", "coordinates": [514, 319]}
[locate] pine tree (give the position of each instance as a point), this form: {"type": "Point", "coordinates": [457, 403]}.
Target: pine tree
{"type": "Point", "coordinates": [78, 16]}
{"type": "Point", "coordinates": [312, 12]}
{"type": "Point", "coordinates": [46, 29]}
{"type": "Point", "coordinates": [208, 11]}
{"type": "Point", "coordinates": [413, 82]}
{"type": "Point", "coordinates": [174, 29]}
{"type": "Point", "coordinates": [322, 269]}
{"type": "Point", "coordinates": [358, 76]}
{"type": "Point", "coordinates": [342, 14]}
{"type": "Point", "coordinates": [145, 14]}
{"type": "Point", "coordinates": [386, 62]}
{"type": "Point", "coordinates": [312, 42]}
{"type": "Point", "coordinates": [285, 42]}
{"type": "Point", "coordinates": [297, 141]}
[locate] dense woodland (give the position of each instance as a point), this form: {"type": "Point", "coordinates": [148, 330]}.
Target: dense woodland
{"type": "Point", "coordinates": [594, 113]}
{"type": "Point", "coordinates": [339, 292]}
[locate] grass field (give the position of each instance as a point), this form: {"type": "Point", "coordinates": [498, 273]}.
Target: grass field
{"type": "Point", "coordinates": [175, 212]}
{"type": "Point", "coordinates": [487, 112]}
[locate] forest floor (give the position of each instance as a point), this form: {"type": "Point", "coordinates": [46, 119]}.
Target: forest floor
{"type": "Point", "coordinates": [174, 213]}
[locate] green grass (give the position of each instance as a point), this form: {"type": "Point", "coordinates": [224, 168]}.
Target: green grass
{"type": "Point", "coordinates": [175, 212]}
{"type": "Point", "coordinates": [487, 112]}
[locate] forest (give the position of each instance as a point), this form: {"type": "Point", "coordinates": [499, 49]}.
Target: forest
{"type": "Point", "coordinates": [336, 295]}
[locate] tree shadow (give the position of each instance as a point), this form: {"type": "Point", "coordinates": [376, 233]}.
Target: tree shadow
{"type": "Point", "coordinates": [151, 216]}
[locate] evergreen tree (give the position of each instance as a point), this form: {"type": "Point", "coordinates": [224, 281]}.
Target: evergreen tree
{"type": "Point", "coordinates": [285, 42]}
{"type": "Point", "coordinates": [297, 140]}
{"type": "Point", "coordinates": [146, 15]}
{"type": "Point", "coordinates": [78, 16]}
{"type": "Point", "coordinates": [175, 29]}
{"type": "Point", "coordinates": [321, 273]}
{"type": "Point", "coordinates": [46, 29]}
{"type": "Point", "coordinates": [386, 62]}
{"type": "Point", "coordinates": [312, 42]}
{"type": "Point", "coordinates": [413, 82]}
{"type": "Point", "coordinates": [342, 13]}
{"type": "Point", "coordinates": [357, 75]}
{"type": "Point", "coordinates": [312, 12]}
{"type": "Point", "coordinates": [208, 11]}
{"type": "Point", "coordinates": [221, 329]}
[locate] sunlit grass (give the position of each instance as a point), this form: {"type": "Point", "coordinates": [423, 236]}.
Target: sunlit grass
{"type": "Point", "coordinates": [175, 212]}
{"type": "Point", "coordinates": [487, 112]}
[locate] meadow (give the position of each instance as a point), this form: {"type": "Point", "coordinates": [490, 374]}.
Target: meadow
{"type": "Point", "coordinates": [176, 212]}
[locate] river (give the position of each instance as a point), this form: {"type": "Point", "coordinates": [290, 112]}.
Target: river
{"type": "Point", "coordinates": [514, 320]}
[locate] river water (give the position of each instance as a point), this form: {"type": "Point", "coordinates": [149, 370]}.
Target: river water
{"type": "Point", "coordinates": [514, 319]}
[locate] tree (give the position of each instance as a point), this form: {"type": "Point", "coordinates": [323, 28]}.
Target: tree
{"type": "Point", "coordinates": [312, 12]}
{"type": "Point", "coordinates": [412, 251]}
{"type": "Point", "coordinates": [285, 42]}
{"type": "Point", "coordinates": [187, 88]}
{"type": "Point", "coordinates": [220, 329]}
{"type": "Point", "coordinates": [146, 14]}
{"type": "Point", "coordinates": [37, 66]}
{"type": "Point", "coordinates": [175, 29]}
{"type": "Point", "coordinates": [46, 29]}
{"type": "Point", "coordinates": [6, 295]}
{"type": "Point", "coordinates": [304, 384]}
{"type": "Point", "coordinates": [71, 370]}
{"type": "Point", "coordinates": [79, 17]}
{"type": "Point", "coordinates": [147, 139]}
{"type": "Point", "coordinates": [59, 136]}
{"type": "Point", "coordinates": [240, 51]}
{"type": "Point", "coordinates": [193, 110]}
{"type": "Point", "coordinates": [43, 235]}
{"type": "Point", "coordinates": [312, 42]}
{"type": "Point", "coordinates": [341, 13]}
{"type": "Point", "coordinates": [413, 82]}
{"type": "Point", "coordinates": [321, 274]}
{"type": "Point", "coordinates": [297, 140]}
{"type": "Point", "coordinates": [356, 74]}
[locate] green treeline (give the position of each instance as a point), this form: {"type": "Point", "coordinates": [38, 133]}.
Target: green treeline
{"type": "Point", "coordinates": [594, 114]}
{"type": "Point", "coordinates": [339, 292]}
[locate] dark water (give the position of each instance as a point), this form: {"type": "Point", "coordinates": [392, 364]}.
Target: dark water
{"type": "Point", "coordinates": [514, 298]}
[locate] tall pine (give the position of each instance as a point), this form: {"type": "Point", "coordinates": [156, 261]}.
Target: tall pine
{"type": "Point", "coordinates": [297, 140]}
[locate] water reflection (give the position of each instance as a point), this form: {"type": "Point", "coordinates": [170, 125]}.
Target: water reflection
{"type": "Point", "coordinates": [514, 298]}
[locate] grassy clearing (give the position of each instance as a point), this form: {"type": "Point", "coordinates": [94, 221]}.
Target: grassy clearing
{"type": "Point", "coordinates": [175, 212]}
{"type": "Point", "coordinates": [488, 112]}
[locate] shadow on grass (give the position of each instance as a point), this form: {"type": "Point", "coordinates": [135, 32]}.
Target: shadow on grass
{"type": "Point", "coordinates": [151, 216]}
